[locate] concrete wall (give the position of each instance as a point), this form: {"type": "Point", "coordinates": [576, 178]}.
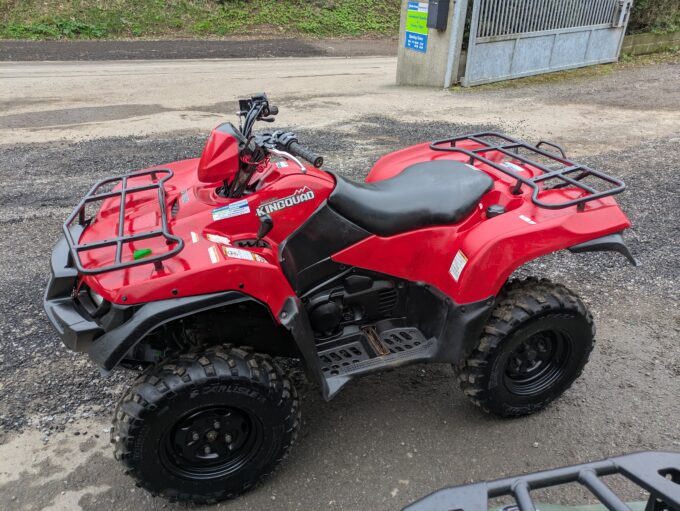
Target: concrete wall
{"type": "Point", "coordinates": [429, 69]}
{"type": "Point", "coordinates": [641, 44]}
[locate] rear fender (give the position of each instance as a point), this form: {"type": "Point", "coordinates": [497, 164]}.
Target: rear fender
{"type": "Point", "coordinates": [496, 249]}
{"type": "Point", "coordinates": [610, 243]}
{"type": "Point", "coordinates": [471, 261]}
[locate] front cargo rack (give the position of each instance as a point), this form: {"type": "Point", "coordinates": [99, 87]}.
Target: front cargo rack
{"type": "Point", "coordinates": [481, 147]}
{"type": "Point", "coordinates": [117, 186]}
{"type": "Point", "coordinates": [658, 473]}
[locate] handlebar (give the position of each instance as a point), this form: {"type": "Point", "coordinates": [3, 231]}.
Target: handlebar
{"type": "Point", "coordinates": [304, 153]}
{"type": "Point", "coordinates": [253, 148]}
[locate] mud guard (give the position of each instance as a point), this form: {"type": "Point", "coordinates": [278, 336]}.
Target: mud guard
{"type": "Point", "coordinates": [293, 317]}
{"type": "Point", "coordinates": [109, 349]}
{"type": "Point", "coordinates": [611, 243]}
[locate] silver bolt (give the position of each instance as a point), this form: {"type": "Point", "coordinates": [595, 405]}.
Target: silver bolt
{"type": "Point", "coordinates": [206, 449]}
{"type": "Point", "coordinates": [195, 436]}
{"type": "Point", "coordinates": [227, 438]}
{"type": "Point", "coordinates": [217, 425]}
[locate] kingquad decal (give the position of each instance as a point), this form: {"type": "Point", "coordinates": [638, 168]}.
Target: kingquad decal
{"type": "Point", "coordinates": [300, 196]}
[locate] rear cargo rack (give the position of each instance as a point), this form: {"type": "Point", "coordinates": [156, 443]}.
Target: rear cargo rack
{"type": "Point", "coordinates": [656, 472]}
{"type": "Point", "coordinates": [118, 187]}
{"type": "Point", "coordinates": [566, 172]}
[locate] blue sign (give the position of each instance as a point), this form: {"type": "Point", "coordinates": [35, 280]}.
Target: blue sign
{"type": "Point", "coordinates": [416, 26]}
{"type": "Point", "coordinates": [417, 42]}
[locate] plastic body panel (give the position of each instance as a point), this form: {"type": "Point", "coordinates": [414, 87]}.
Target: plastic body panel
{"type": "Point", "coordinates": [464, 263]}
{"type": "Point", "coordinates": [220, 157]}
{"type": "Point", "coordinates": [211, 227]}
{"type": "Point", "coordinates": [491, 248]}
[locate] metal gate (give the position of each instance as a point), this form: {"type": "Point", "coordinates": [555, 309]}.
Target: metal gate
{"type": "Point", "coordinates": [515, 38]}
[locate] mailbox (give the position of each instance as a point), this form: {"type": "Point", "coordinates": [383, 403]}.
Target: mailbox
{"type": "Point", "coordinates": [437, 14]}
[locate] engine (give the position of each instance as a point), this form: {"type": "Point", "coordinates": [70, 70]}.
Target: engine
{"type": "Point", "coordinates": [358, 299]}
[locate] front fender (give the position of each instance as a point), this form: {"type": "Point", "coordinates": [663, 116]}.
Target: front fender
{"type": "Point", "coordinates": [108, 350]}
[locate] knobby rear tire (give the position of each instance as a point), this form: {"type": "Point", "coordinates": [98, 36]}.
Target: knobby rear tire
{"type": "Point", "coordinates": [528, 308]}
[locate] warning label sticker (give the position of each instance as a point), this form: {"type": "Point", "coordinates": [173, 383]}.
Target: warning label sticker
{"type": "Point", "coordinates": [458, 265]}
{"type": "Point", "coordinates": [246, 255]}
{"type": "Point", "coordinates": [234, 209]}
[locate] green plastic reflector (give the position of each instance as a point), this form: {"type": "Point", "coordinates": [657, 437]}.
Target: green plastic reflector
{"type": "Point", "coordinates": [140, 253]}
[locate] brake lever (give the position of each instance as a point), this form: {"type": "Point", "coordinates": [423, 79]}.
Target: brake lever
{"type": "Point", "coordinates": [289, 156]}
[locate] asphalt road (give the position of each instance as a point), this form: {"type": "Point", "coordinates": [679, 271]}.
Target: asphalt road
{"type": "Point", "coordinates": [389, 438]}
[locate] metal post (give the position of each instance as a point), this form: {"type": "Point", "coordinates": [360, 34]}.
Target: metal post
{"type": "Point", "coordinates": [455, 42]}
{"type": "Point", "coordinates": [473, 38]}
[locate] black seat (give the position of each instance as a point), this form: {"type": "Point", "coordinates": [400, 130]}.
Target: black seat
{"type": "Point", "coordinates": [422, 195]}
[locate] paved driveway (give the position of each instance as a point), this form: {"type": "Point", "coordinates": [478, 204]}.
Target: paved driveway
{"type": "Point", "coordinates": [389, 438]}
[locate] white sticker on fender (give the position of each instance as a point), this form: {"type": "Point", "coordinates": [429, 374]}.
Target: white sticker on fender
{"type": "Point", "coordinates": [246, 255]}
{"type": "Point", "coordinates": [513, 166]}
{"type": "Point", "coordinates": [212, 252]}
{"type": "Point", "coordinates": [215, 238]}
{"type": "Point", "coordinates": [234, 209]}
{"type": "Point", "coordinates": [458, 265]}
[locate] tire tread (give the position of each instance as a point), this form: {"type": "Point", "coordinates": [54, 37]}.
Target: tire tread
{"type": "Point", "coordinates": [519, 300]}
{"type": "Point", "coordinates": [170, 378]}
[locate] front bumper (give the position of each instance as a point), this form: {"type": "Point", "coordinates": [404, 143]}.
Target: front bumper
{"type": "Point", "coordinates": [74, 325]}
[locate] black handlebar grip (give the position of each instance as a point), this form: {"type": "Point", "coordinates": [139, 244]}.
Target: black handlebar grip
{"type": "Point", "coordinates": [306, 154]}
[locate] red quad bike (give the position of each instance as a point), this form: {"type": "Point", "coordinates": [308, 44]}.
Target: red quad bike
{"type": "Point", "coordinates": [201, 271]}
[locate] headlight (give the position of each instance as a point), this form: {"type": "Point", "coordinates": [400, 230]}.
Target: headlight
{"type": "Point", "coordinates": [96, 297]}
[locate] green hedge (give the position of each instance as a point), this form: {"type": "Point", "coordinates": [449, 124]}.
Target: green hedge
{"type": "Point", "coordinates": [655, 16]}
{"type": "Point", "coordinates": [111, 19]}
{"type": "Point", "coordinates": [94, 19]}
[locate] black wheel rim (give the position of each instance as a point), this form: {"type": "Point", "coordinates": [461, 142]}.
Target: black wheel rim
{"type": "Point", "coordinates": [211, 442]}
{"type": "Point", "coordinates": [537, 362]}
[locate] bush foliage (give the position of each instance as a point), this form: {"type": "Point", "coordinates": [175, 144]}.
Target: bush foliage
{"type": "Point", "coordinates": [39, 19]}
{"type": "Point", "coordinates": [655, 16]}
{"type": "Point", "coordinates": [93, 19]}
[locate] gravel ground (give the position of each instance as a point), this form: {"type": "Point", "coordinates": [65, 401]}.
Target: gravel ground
{"type": "Point", "coordinates": [43, 378]}
{"type": "Point", "coordinates": [31, 219]}
{"type": "Point", "coordinates": [386, 439]}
